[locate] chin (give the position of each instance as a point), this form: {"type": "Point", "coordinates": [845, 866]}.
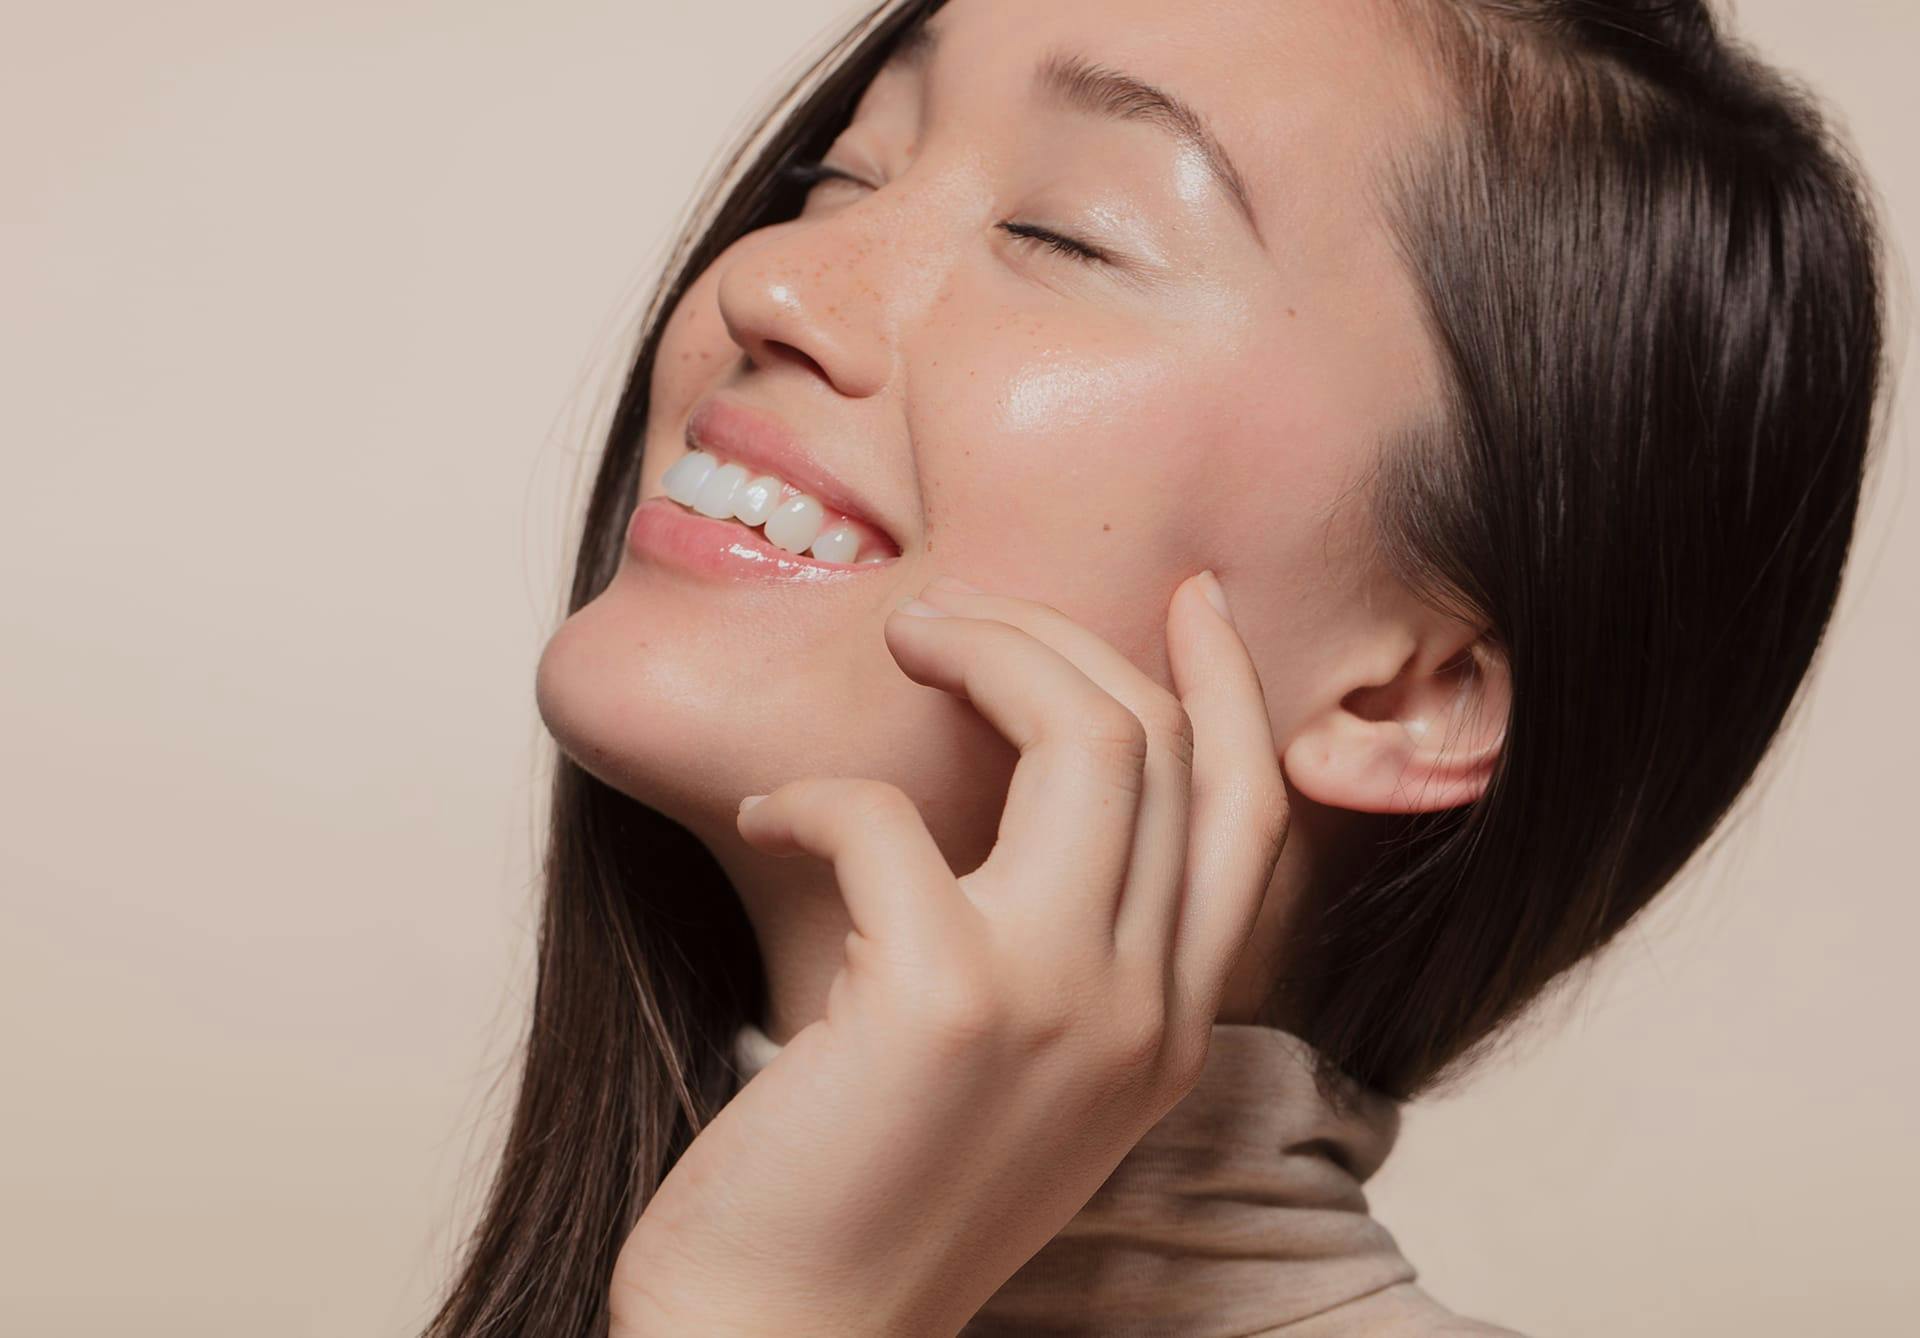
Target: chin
{"type": "Point", "coordinates": [686, 709]}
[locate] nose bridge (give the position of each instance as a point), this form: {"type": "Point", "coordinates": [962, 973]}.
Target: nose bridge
{"type": "Point", "coordinates": [841, 286]}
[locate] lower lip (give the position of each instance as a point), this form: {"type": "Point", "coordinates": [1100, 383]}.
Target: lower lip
{"type": "Point", "coordinates": [663, 529]}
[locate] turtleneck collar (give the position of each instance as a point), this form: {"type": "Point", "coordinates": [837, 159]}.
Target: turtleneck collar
{"type": "Point", "coordinates": [1239, 1213]}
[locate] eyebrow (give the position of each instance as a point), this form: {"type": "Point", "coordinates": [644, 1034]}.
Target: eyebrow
{"type": "Point", "coordinates": [1081, 85]}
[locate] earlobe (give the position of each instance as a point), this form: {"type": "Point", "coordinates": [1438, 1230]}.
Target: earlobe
{"type": "Point", "coordinates": [1425, 740]}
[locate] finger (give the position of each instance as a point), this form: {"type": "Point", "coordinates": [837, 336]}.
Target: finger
{"type": "Point", "coordinates": [1150, 894]}
{"type": "Point", "coordinates": [1239, 818]}
{"type": "Point", "coordinates": [1068, 821]}
{"type": "Point", "coordinates": [895, 882]}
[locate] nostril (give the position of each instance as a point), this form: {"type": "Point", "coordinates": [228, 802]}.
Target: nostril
{"type": "Point", "coordinates": [776, 350]}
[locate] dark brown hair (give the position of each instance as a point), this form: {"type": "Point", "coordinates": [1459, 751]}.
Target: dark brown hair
{"type": "Point", "coordinates": [1653, 277]}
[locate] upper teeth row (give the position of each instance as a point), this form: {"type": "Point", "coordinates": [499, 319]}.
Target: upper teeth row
{"type": "Point", "coordinates": [795, 522]}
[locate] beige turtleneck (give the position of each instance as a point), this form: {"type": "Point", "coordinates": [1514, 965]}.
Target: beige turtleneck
{"type": "Point", "coordinates": [1240, 1214]}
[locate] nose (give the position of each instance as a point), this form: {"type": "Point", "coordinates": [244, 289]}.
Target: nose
{"type": "Point", "coordinates": [812, 293]}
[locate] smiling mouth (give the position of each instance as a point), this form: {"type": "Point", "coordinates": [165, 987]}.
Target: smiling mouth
{"type": "Point", "coordinates": [784, 516]}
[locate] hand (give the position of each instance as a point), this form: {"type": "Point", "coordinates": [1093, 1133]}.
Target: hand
{"type": "Point", "coordinates": [993, 1044]}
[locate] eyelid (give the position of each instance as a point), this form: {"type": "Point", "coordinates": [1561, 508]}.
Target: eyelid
{"type": "Point", "coordinates": [811, 171]}
{"type": "Point", "coordinates": [807, 171]}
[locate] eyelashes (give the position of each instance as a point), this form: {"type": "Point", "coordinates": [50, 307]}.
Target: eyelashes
{"type": "Point", "coordinates": [805, 172]}
{"type": "Point", "coordinates": [1055, 241]}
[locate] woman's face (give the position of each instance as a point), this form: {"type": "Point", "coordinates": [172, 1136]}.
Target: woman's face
{"type": "Point", "coordinates": [1086, 433]}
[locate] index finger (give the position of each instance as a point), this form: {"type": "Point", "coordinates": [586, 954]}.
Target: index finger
{"type": "Point", "coordinates": [1074, 795]}
{"type": "Point", "coordinates": [1239, 815]}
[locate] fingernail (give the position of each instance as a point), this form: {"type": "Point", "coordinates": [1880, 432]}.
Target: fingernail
{"type": "Point", "coordinates": [919, 608]}
{"type": "Point", "coordinates": [1210, 587]}
{"type": "Point", "coordinates": [750, 801]}
{"type": "Point", "coordinates": [954, 583]}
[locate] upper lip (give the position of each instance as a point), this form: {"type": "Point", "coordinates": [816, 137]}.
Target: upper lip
{"type": "Point", "coordinates": [748, 437]}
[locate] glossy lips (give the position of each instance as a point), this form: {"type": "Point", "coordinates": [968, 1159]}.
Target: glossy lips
{"type": "Point", "coordinates": [663, 530]}
{"type": "Point", "coordinates": [745, 469]}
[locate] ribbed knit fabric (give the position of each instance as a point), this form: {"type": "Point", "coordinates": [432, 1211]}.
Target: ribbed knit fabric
{"type": "Point", "coordinates": [1240, 1214]}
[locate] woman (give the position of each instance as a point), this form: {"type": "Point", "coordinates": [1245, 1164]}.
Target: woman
{"type": "Point", "coordinates": [1397, 460]}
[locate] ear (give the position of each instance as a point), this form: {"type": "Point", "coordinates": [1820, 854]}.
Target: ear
{"type": "Point", "coordinates": [1417, 726]}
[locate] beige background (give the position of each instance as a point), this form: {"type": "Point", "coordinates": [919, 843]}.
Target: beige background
{"type": "Point", "coordinates": [306, 320]}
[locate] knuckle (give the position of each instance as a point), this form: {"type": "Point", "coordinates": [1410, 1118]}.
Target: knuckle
{"type": "Point", "coordinates": [959, 1009]}
{"type": "Point", "coordinates": [1139, 1038]}
{"type": "Point", "coordinates": [1166, 720]}
{"type": "Point", "coordinates": [1106, 728]}
{"type": "Point", "coordinates": [1038, 1031]}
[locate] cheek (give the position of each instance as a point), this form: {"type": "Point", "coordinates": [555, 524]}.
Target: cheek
{"type": "Point", "coordinates": [1096, 467]}
{"type": "Point", "coordinates": [695, 350]}
{"type": "Point", "coordinates": [1058, 465]}
{"type": "Point", "coordinates": [695, 344]}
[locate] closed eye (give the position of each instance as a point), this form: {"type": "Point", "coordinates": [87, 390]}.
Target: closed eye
{"type": "Point", "coordinates": [807, 171]}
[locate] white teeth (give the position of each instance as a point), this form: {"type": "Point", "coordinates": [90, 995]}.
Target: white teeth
{"type": "Point", "coordinates": [836, 544]}
{"type": "Point", "coordinates": [684, 476]}
{"type": "Point", "coordinates": [795, 522]}
{"type": "Point", "coordinates": [757, 498]}
{"type": "Point", "coordinates": [715, 497]}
